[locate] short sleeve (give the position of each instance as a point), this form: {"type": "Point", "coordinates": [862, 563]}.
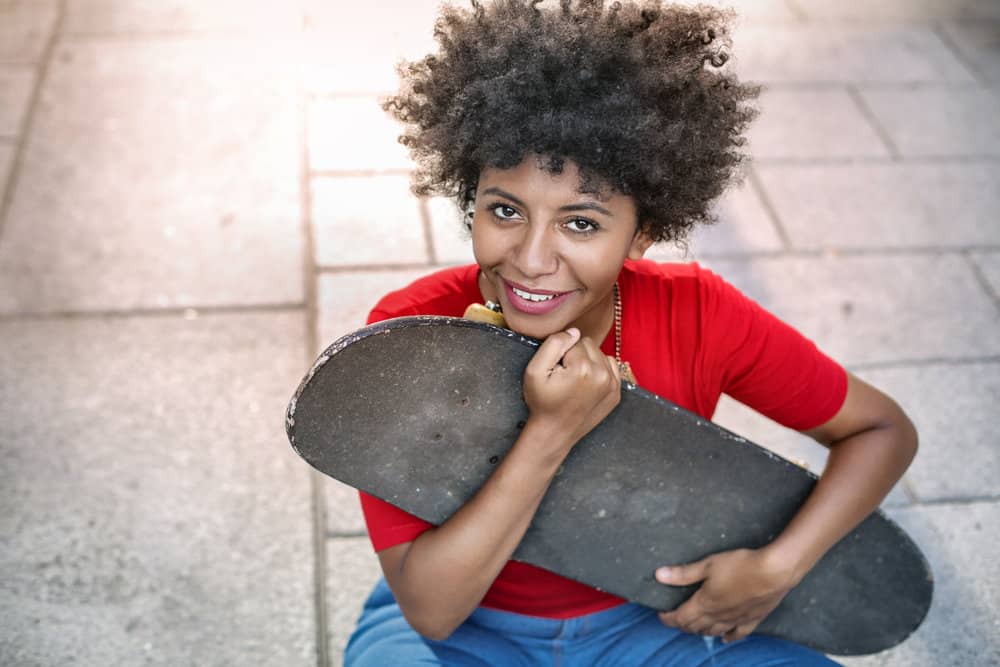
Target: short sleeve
{"type": "Point", "coordinates": [763, 362]}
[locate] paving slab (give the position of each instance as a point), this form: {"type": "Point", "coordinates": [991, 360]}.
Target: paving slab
{"type": "Point", "coordinates": [151, 499]}
{"type": "Point", "coordinates": [961, 627]}
{"type": "Point", "coordinates": [806, 124]}
{"type": "Point", "coordinates": [875, 309]}
{"type": "Point", "coordinates": [367, 221]}
{"type": "Point", "coordinates": [452, 240]}
{"type": "Point", "coordinates": [343, 57]}
{"type": "Point", "coordinates": [25, 27]}
{"type": "Point", "coordinates": [786, 442]}
{"type": "Point", "coordinates": [744, 227]}
{"type": "Point", "coordinates": [344, 300]}
{"type": "Point", "coordinates": [353, 133]}
{"type": "Point", "coordinates": [952, 406]}
{"type": "Point", "coordinates": [352, 570]}
{"type": "Point", "coordinates": [137, 17]}
{"type": "Point", "coordinates": [989, 264]}
{"type": "Point", "coordinates": [16, 84]}
{"type": "Point", "coordinates": [160, 173]}
{"type": "Point", "coordinates": [845, 53]}
{"type": "Point", "coordinates": [897, 205]}
{"type": "Point", "coordinates": [979, 44]}
{"type": "Point", "coordinates": [895, 10]}
{"type": "Point", "coordinates": [939, 121]}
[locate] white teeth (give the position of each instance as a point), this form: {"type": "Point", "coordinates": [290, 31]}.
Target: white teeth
{"type": "Point", "coordinates": [528, 296]}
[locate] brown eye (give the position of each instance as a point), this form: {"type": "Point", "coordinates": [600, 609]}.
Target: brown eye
{"type": "Point", "coordinates": [504, 212]}
{"type": "Point", "coordinates": [581, 226]}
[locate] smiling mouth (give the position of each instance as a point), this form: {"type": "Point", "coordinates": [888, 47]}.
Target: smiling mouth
{"type": "Point", "coordinates": [531, 296]}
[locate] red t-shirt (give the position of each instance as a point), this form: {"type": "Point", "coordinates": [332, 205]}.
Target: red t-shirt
{"type": "Point", "coordinates": [689, 337]}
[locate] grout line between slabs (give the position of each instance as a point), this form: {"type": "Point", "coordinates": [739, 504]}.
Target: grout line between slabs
{"type": "Point", "coordinates": [955, 501]}
{"type": "Point", "coordinates": [424, 210]}
{"type": "Point", "coordinates": [938, 29]}
{"type": "Point", "coordinates": [977, 271]}
{"type": "Point", "coordinates": [923, 362]}
{"type": "Point", "coordinates": [873, 121]}
{"type": "Point", "coordinates": [310, 289]}
{"type": "Point", "coordinates": [188, 312]}
{"type": "Point", "coordinates": [772, 212]}
{"type": "Point", "coordinates": [28, 122]}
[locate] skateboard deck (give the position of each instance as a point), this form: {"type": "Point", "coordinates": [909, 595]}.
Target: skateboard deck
{"type": "Point", "coordinates": [418, 411]}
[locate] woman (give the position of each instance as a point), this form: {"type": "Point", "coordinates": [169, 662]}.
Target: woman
{"type": "Point", "coordinates": [576, 137]}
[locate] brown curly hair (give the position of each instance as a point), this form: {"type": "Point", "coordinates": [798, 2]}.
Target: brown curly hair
{"type": "Point", "coordinates": [633, 93]}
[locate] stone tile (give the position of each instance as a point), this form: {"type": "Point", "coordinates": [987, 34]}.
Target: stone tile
{"type": "Point", "coordinates": [885, 205]}
{"type": "Point", "coordinates": [353, 134]}
{"type": "Point", "coordinates": [141, 16]}
{"type": "Point", "coordinates": [989, 264]}
{"type": "Point", "coordinates": [952, 407]}
{"type": "Point", "coordinates": [933, 122]}
{"type": "Point", "coordinates": [452, 241]}
{"type": "Point", "coordinates": [367, 220]}
{"type": "Point", "coordinates": [960, 630]}
{"type": "Point", "coordinates": [786, 442]}
{"type": "Point", "coordinates": [907, 10]}
{"type": "Point", "coordinates": [159, 173]}
{"type": "Point", "coordinates": [372, 37]}
{"type": "Point", "coordinates": [845, 53]}
{"type": "Point", "coordinates": [812, 124]}
{"type": "Point", "coordinates": [352, 570]}
{"type": "Point", "coordinates": [343, 509]}
{"type": "Point", "coordinates": [979, 43]}
{"type": "Point", "coordinates": [16, 83]}
{"type": "Point", "coordinates": [867, 309]}
{"type": "Point", "coordinates": [151, 497]}
{"type": "Point", "coordinates": [345, 299]}
{"type": "Point", "coordinates": [25, 26]}
{"type": "Point", "coordinates": [744, 226]}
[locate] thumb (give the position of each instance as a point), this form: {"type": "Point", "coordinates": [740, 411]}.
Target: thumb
{"type": "Point", "coordinates": [683, 575]}
{"type": "Point", "coordinates": [554, 348]}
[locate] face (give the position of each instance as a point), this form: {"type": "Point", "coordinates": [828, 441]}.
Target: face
{"type": "Point", "coordinates": [548, 253]}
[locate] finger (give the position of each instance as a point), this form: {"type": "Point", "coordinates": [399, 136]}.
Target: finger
{"type": "Point", "coordinates": [553, 350]}
{"type": "Point", "coordinates": [685, 616]}
{"type": "Point", "coordinates": [616, 370]}
{"type": "Point", "coordinates": [718, 630]}
{"type": "Point", "coordinates": [683, 575]}
{"type": "Point", "coordinates": [739, 632]}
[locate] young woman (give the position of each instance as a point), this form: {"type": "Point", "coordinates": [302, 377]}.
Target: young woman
{"type": "Point", "coordinates": [576, 136]}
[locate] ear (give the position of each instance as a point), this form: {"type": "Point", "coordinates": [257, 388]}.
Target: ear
{"type": "Point", "coordinates": [640, 244]}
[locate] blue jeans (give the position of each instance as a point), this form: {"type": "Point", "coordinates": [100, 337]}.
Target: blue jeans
{"type": "Point", "coordinates": [625, 636]}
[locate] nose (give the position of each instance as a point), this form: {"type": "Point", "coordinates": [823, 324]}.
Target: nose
{"type": "Point", "coordinates": [536, 254]}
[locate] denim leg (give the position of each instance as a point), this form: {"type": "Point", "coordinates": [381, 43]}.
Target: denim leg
{"type": "Point", "coordinates": [383, 637]}
{"type": "Point", "coordinates": [650, 643]}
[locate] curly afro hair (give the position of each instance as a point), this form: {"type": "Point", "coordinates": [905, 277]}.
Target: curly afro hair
{"type": "Point", "coordinates": [634, 94]}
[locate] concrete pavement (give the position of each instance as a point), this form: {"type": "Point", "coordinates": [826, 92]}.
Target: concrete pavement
{"type": "Point", "coordinates": [197, 197]}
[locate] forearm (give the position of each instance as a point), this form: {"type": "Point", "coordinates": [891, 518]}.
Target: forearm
{"type": "Point", "coordinates": [861, 470]}
{"type": "Point", "coordinates": [445, 572]}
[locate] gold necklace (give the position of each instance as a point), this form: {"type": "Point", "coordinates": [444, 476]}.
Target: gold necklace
{"type": "Point", "coordinates": [624, 366]}
{"type": "Point", "coordinates": [492, 314]}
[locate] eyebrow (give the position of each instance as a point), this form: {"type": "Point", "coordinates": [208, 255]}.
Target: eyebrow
{"type": "Point", "coordinates": [581, 206]}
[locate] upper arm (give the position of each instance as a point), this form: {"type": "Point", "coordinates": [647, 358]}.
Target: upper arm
{"type": "Point", "coordinates": [864, 408]}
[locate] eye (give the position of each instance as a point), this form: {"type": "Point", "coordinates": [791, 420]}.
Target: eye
{"type": "Point", "coordinates": [504, 212]}
{"type": "Point", "coordinates": [581, 226]}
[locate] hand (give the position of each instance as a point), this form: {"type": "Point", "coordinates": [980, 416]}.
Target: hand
{"type": "Point", "coordinates": [739, 589]}
{"type": "Point", "coordinates": [570, 386]}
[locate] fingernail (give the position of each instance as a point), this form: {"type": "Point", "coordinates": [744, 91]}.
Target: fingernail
{"type": "Point", "coordinates": [663, 573]}
{"type": "Point", "coordinates": [573, 331]}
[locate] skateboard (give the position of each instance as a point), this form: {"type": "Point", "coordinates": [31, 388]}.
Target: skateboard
{"type": "Point", "coordinates": [418, 411]}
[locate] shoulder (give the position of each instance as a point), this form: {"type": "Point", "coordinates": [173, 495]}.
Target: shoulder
{"type": "Point", "coordinates": [678, 278]}
{"type": "Point", "coordinates": [444, 292]}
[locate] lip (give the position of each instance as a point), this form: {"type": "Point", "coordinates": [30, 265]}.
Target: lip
{"type": "Point", "coordinates": [533, 307]}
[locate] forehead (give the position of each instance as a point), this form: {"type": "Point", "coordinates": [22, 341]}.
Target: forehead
{"type": "Point", "coordinates": [533, 178]}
